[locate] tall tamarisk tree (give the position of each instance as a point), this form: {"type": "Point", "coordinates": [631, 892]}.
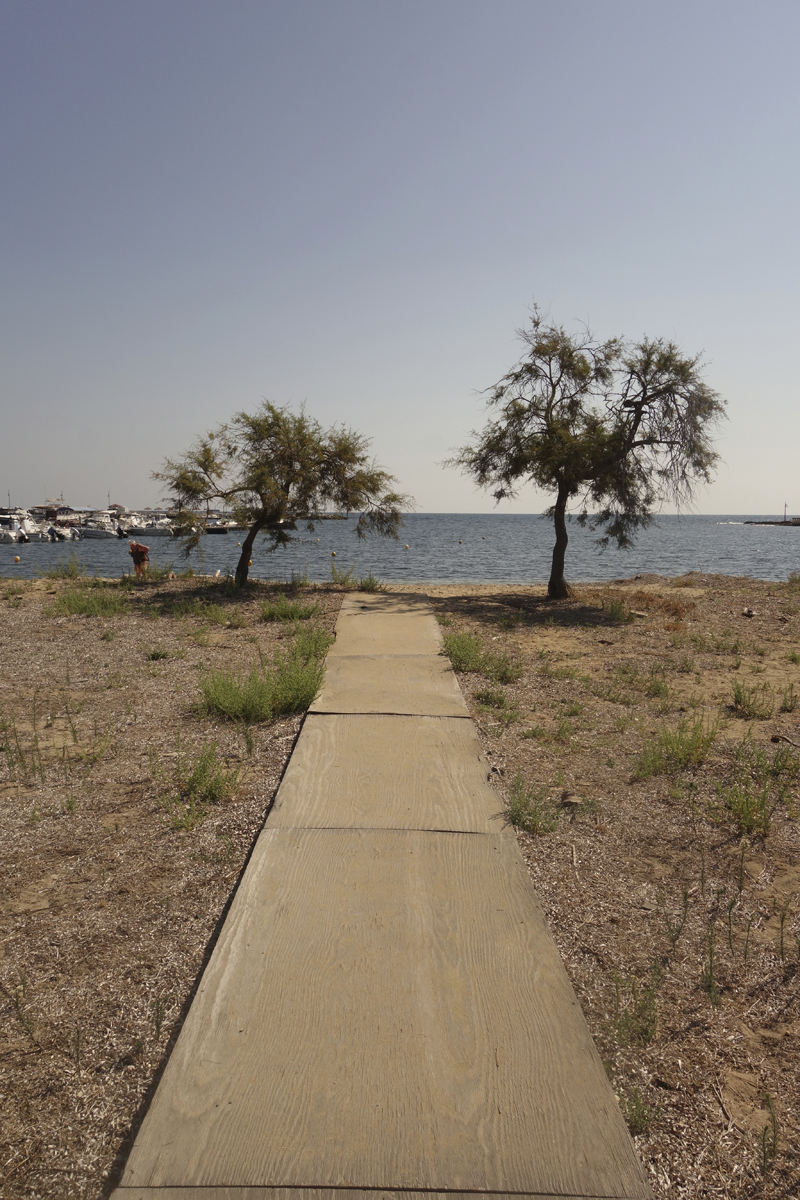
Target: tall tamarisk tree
{"type": "Point", "coordinates": [276, 470]}
{"type": "Point", "coordinates": [615, 427]}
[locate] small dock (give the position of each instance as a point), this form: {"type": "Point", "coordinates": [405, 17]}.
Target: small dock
{"type": "Point", "coordinates": [385, 1010]}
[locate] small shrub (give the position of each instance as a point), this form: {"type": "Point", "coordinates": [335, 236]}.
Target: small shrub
{"type": "Point", "coordinates": [754, 704]}
{"type": "Point", "coordinates": [750, 807]}
{"type": "Point", "coordinates": [156, 654]}
{"type": "Point", "coordinates": [194, 783]}
{"type": "Point", "coordinates": [491, 698]}
{"type": "Point", "coordinates": [793, 657]}
{"type": "Point", "coordinates": [708, 979]}
{"type": "Point", "coordinates": [529, 810]}
{"type": "Point", "coordinates": [201, 610]}
{"type": "Point", "coordinates": [789, 701]}
{"type": "Point", "coordinates": [95, 603]}
{"type": "Point", "coordinates": [283, 609]}
{"type": "Point", "coordinates": [637, 1021]}
{"type": "Point", "coordinates": [638, 1115]}
{"type": "Point", "coordinates": [464, 651]}
{"type": "Point", "coordinates": [675, 750]}
{"type": "Point", "coordinates": [290, 685]}
{"type": "Point", "coordinates": [769, 1137]}
{"type": "Point", "coordinates": [468, 656]}
{"type": "Point", "coordinates": [618, 613]}
{"type": "Point", "coordinates": [157, 574]}
{"type": "Point", "coordinates": [69, 568]}
{"type": "Point", "coordinates": [369, 583]}
{"type": "Point", "coordinates": [341, 577]}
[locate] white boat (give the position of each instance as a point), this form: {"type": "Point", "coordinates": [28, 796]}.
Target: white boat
{"type": "Point", "coordinates": [100, 529]}
{"type": "Point", "coordinates": [9, 532]}
{"type": "Point", "coordinates": [30, 531]}
{"type": "Point", "coordinates": [150, 530]}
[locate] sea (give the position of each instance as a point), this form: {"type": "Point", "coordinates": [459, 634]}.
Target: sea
{"type": "Point", "coordinates": [454, 548]}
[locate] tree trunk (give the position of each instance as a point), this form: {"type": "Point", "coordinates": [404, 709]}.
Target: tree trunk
{"type": "Point", "coordinates": [244, 561]}
{"type": "Point", "coordinates": [557, 586]}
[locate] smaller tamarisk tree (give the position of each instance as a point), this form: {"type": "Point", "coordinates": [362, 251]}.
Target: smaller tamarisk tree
{"type": "Point", "coordinates": [614, 426]}
{"type": "Point", "coordinates": [276, 470]}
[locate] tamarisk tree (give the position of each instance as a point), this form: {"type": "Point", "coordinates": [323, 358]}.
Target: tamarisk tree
{"type": "Point", "coordinates": [614, 427]}
{"type": "Point", "coordinates": [276, 470]}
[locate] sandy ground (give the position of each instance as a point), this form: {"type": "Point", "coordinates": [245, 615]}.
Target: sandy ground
{"type": "Point", "coordinates": [109, 907]}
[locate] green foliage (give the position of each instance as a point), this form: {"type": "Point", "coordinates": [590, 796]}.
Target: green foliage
{"type": "Point", "coordinates": [618, 613]}
{"type": "Point", "coordinates": [636, 1017]}
{"type": "Point", "coordinates": [275, 470]}
{"type": "Point", "coordinates": [370, 583]}
{"type": "Point", "coordinates": [529, 810]}
{"type": "Point", "coordinates": [675, 928]}
{"type": "Point", "coordinates": [613, 425]}
{"type": "Point", "coordinates": [749, 806]}
{"type": "Point", "coordinates": [341, 577]}
{"type": "Point", "coordinates": [468, 656]}
{"type": "Point", "coordinates": [789, 700]}
{"type": "Point", "coordinates": [156, 654]}
{"type": "Point", "coordinates": [674, 750]}
{"type": "Point", "coordinates": [196, 780]}
{"type": "Point", "coordinates": [708, 977]}
{"type": "Point", "coordinates": [638, 1116]}
{"type": "Point", "coordinates": [201, 610]}
{"type": "Point", "coordinates": [69, 568]}
{"type": "Point", "coordinates": [289, 685]}
{"type": "Point", "coordinates": [769, 1137]}
{"type": "Point", "coordinates": [97, 602]}
{"type": "Point", "coordinates": [283, 609]}
{"type": "Point", "coordinates": [754, 704]}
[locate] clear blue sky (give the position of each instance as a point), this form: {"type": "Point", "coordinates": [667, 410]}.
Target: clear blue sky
{"type": "Point", "coordinates": [353, 203]}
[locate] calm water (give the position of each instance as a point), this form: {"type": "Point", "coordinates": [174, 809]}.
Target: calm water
{"type": "Point", "coordinates": [444, 547]}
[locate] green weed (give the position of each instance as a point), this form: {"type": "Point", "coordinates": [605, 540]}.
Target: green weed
{"type": "Point", "coordinates": [708, 980]}
{"type": "Point", "coordinates": [283, 609]}
{"type": "Point", "coordinates": [636, 1021]}
{"type": "Point", "coordinates": [195, 781]}
{"type": "Point", "coordinates": [467, 654]}
{"type": "Point", "coordinates": [750, 806]}
{"type": "Point", "coordinates": [674, 750]}
{"type": "Point", "coordinates": [675, 928]}
{"type": "Point", "coordinates": [341, 577]}
{"type": "Point", "coordinates": [769, 1137]}
{"type": "Point", "coordinates": [617, 612]}
{"type": "Point", "coordinates": [95, 603]}
{"type": "Point", "coordinates": [290, 685]}
{"type": "Point", "coordinates": [638, 1115]}
{"type": "Point", "coordinates": [370, 583]}
{"type": "Point", "coordinates": [754, 704]}
{"type": "Point", "coordinates": [69, 568]}
{"type": "Point", "coordinates": [529, 810]}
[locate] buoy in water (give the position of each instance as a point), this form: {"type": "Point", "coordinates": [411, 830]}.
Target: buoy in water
{"type": "Point", "coordinates": [16, 558]}
{"type": "Point", "coordinates": [238, 543]}
{"type": "Point", "coordinates": [459, 541]}
{"type": "Point", "coordinates": [406, 545]}
{"type": "Point", "coordinates": [333, 554]}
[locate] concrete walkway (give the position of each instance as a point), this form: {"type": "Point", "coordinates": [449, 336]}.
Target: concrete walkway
{"type": "Point", "coordinates": [385, 1009]}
